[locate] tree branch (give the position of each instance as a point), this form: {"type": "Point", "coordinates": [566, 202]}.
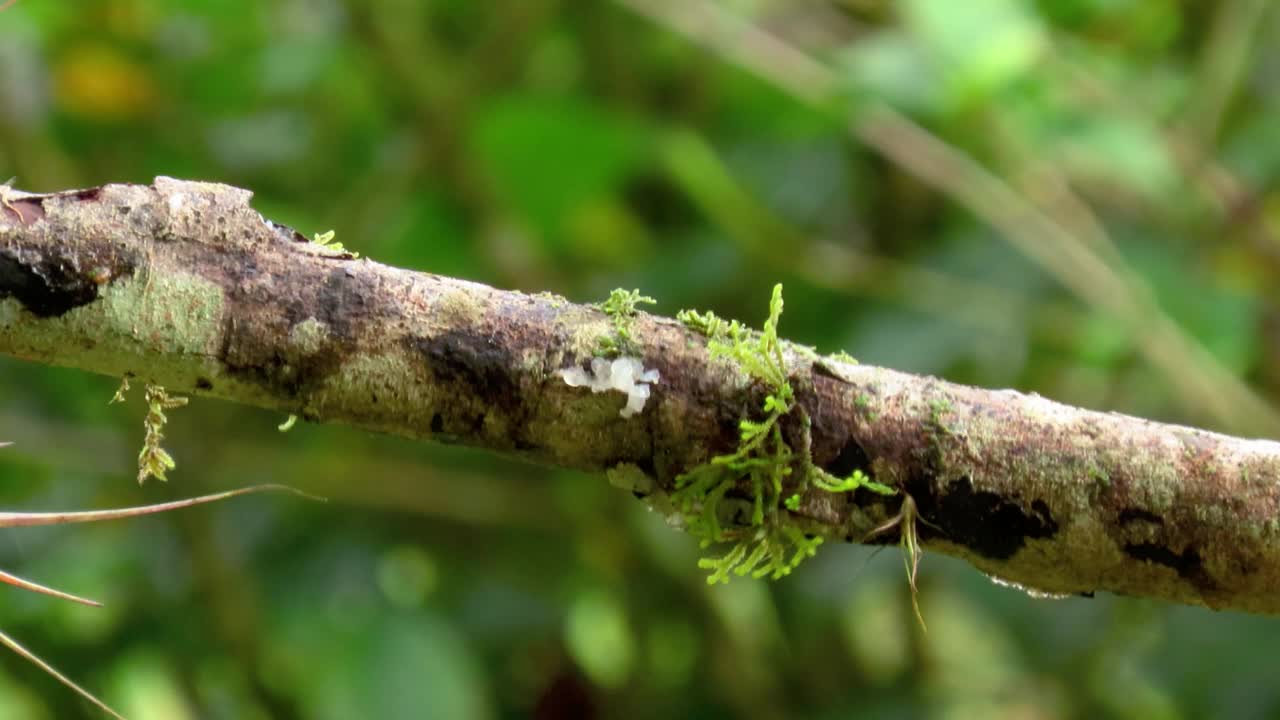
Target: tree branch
{"type": "Point", "coordinates": [184, 285]}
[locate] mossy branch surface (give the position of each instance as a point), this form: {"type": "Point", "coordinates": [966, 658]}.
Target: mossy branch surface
{"type": "Point", "coordinates": [621, 306]}
{"type": "Point", "coordinates": [763, 462]}
{"type": "Point", "coordinates": [184, 286]}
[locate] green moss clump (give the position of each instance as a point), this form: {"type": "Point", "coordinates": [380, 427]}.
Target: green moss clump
{"type": "Point", "coordinates": [773, 550]}
{"type": "Point", "coordinates": [770, 543]}
{"type": "Point", "coordinates": [709, 323]}
{"type": "Point", "coordinates": [621, 308]}
{"type": "Point", "coordinates": [844, 357]}
{"type": "Point", "coordinates": [153, 461]}
{"type": "Point", "coordinates": [1103, 478]}
{"type": "Point", "coordinates": [326, 241]}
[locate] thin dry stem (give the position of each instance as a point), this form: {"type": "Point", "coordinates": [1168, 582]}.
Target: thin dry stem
{"type": "Point", "coordinates": [43, 589]}
{"type": "Point", "coordinates": [27, 519]}
{"type": "Point", "coordinates": [34, 659]}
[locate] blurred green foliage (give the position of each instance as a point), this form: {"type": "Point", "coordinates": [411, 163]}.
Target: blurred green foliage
{"type": "Point", "coordinates": [1109, 240]}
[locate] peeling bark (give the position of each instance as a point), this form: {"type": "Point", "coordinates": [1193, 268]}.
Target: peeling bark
{"type": "Point", "coordinates": [184, 285]}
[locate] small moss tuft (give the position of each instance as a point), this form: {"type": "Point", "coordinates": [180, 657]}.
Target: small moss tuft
{"type": "Point", "coordinates": [153, 461]}
{"type": "Point", "coordinates": [844, 357]}
{"type": "Point", "coordinates": [1100, 476]}
{"type": "Point", "coordinates": [621, 308]}
{"type": "Point", "coordinates": [772, 550]}
{"type": "Point", "coordinates": [709, 323]}
{"type": "Point", "coordinates": [326, 241]}
{"type": "Point", "coordinates": [768, 543]}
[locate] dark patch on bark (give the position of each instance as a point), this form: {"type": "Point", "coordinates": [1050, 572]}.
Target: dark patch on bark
{"type": "Point", "coordinates": [478, 363]}
{"type": "Point", "coordinates": [292, 375]}
{"type": "Point", "coordinates": [829, 439]}
{"type": "Point", "coordinates": [286, 233]}
{"type": "Point", "coordinates": [86, 195]}
{"type": "Point", "coordinates": [646, 466]}
{"type": "Point", "coordinates": [241, 270]}
{"type": "Point", "coordinates": [252, 351]}
{"type": "Point", "coordinates": [1156, 553]}
{"type": "Point", "coordinates": [1132, 515]}
{"type": "Point", "coordinates": [987, 523]}
{"type": "Point", "coordinates": [1187, 564]}
{"type": "Point", "coordinates": [851, 457]}
{"type": "Point", "coordinates": [246, 361]}
{"type": "Point", "coordinates": [819, 368]}
{"type": "Point", "coordinates": [50, 285]}
{"type": "Point", "coordinates": [341, 303]}
{"type": "Point", "coordinates": [203, 383]}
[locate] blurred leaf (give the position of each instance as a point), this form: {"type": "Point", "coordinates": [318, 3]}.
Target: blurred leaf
{"type": "Point", "coordinates": [20, 703]}
{"type": "Point", "coordinates": [1224, 321]}
{"type": "Point", "coordinates": [979, 46]}
{"type": "Point", "coordinates": [974, 663]}
{"type": "Point", "coordinates": [264, 140]}
{"type": "Point", "coordinates": [1116, 152]}
{"type": "Point", "coordinates": [604, 233]}
{"type": "Point", "coordinates": [406, 575]}
{"type": "Point", "coordinates": [424, 232]}
{"type": "Point", "coordinates": [891, 66]}
{"type": "Point", "coordinates": [877, 628]}
{"type": "Point", "coordinates": [672, 649]}
{"type": "Point", "coordinates": [388, 666]}
{"type": "Point", "coordinates": [145, 686]}
{"type": "Point", "coordinates": [1103, 341]}
{"type": "Point", "coordinates": [418, 666]}
{"type": "Point", "coordinates": [802, 180]}
{"type": "Point", "coordinates": [599, 639]}
{"type": "Point", "coordinates": [1250, 150]}
{"type": "Point", "coordinates": [551, 155]}
{"type": "Point", "coordinates": [24, 98]}
{"type": "Point", "coordinates": [291, 65]}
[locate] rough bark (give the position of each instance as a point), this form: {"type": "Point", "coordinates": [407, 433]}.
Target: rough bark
{"type": "Point", "coordinates": [184, 285]}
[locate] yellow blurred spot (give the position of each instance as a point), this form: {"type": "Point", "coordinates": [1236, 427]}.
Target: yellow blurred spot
{"type": "Point", "coordinates": [98, 82]}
